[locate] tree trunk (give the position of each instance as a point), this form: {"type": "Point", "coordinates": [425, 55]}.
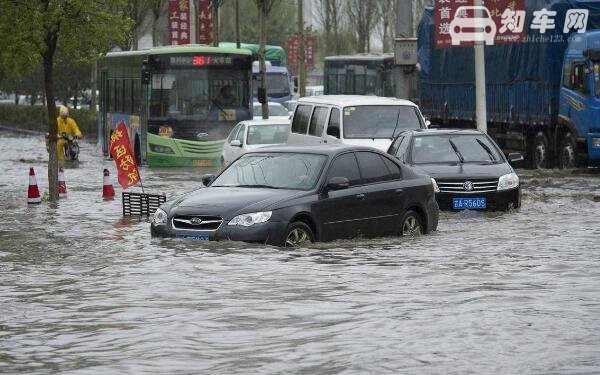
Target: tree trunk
{"type": "Point", "coordinates": [214, 9]}
{"type": "Point", "coordinates": [93, 85]}
{"type": "Point", "coordinates": [237, 24]}
{"type": "Point", "coordinates": [261, 57]}
{"type": "Point", "coordinates": [48, 60]}
{"type": "Point", "coordinates": [301, 68]}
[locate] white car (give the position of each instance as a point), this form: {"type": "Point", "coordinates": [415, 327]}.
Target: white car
{"type": "Point", "coordinates": [251, 134]}
{"type": "Point", "coordinates": [276, 111]}
{"type": "Point", "coordinates": [472, 28]}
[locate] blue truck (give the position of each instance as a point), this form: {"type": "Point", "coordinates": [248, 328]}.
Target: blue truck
{"type": "Point", "coordinates": [543, 94]}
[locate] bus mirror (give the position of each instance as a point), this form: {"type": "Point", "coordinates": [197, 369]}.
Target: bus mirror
{"type": "Point", "coordinates": [146, 74]}
{"type": "Point", "coordinates": [296, 84]}
{"type": "Point", "coordinates": [262, 95]}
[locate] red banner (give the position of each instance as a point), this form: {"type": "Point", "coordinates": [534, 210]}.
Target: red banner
{"type": "Point", "coordinates": [293, 46]}
{"type": "Point", "coordinates": [459, 23]}
{"type": "Point", "coordinates": [120, 150]}
{"type": "Point", "coordinates": [179, 22]}
{"type": "Point", "coordinates": [204, 22]}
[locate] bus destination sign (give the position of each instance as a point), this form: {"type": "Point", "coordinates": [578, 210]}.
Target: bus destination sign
{"type": "Point", "coordinates": [201, 60]}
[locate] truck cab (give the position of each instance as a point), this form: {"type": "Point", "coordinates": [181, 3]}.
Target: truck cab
{"type": "Point", "coordinates": [279, 86]}
{"type": "Point", "coordinates": [579, 107]}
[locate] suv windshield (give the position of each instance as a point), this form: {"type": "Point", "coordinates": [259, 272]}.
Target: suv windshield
{"type": "Point", "coordinates": [454, 148]}
{"type": "Point", "coordinates": [278, 85]}
{"type": "Point", "coordinates": [379, 121]}
{"type": "Point", "coordinates": [276, 170]}
{"type": "Point", "coordinates": [275, 109]}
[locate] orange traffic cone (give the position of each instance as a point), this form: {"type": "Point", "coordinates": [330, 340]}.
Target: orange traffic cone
{"type": "Point", "coordinates": [33, 193]}
{"type": "Point", "coordinates": [62, 185]}
{"type": "Point", "coordinates": [108, 192]}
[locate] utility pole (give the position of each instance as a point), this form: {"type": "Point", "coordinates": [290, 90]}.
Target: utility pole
{"type": "Point", "coordinates": [237, 24]}
{"type": "Point", "coordinates": [480, 99]}
{"type": "Point", "coordinates": [301, 68]}
{"type": "Point", "coordinates": [404, 29]}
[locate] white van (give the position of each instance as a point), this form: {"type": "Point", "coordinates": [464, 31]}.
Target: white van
{"type": "Point", "coordinates": [353, 119]}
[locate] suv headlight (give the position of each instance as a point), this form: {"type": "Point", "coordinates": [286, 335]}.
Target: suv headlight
{"type": "Point", "coordinates": [247, 220]}
{"type": "Point", "coordinates": [159, 217]}
{"type": "Point", "coordinates": [436, 188]}
{"type": "Point", "coordinates": [508, 181]}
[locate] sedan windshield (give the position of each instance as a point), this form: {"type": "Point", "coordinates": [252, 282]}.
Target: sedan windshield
{"type": "Point", "coordinates": [379, 121]}
{"type": "Point", "coordinates": [267, 134]}
{"type": "Point", "coordinates": [273, 170]}
{"type": "Point", "coordinates": [454, 149]}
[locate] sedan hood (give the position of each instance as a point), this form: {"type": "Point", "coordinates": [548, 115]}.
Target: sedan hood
{"type": "Point", "coordinates": [381, 144]}
{"type": "Point", "coordinates": [229, 201]}
{"type": "Point", "coordinates": [467, 170]}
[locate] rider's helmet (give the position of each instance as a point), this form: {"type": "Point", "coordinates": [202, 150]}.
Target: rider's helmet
{"type": "Point", "coordinates": [63, 111]}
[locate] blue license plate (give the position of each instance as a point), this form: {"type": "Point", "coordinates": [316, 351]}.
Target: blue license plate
{"type": "Point", "coordinates": [469, 203]}
{"type": "Point", "coordinates": [196, 237]}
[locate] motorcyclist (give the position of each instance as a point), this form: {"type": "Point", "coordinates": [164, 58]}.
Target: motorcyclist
{"type": "Point", "coordinates": [68, 126]}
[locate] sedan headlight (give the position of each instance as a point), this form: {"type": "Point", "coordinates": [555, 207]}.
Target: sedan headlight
{"type": "Point", "coordinates": [436, 188]}
{"type": "Point", "coordinates": [508, 181]}
{"type": "Point", "coordinates": [159, 217]}
{"type": "Point", "coordinates": [247, 220]}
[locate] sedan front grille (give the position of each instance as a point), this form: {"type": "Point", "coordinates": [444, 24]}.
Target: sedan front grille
{"type": "Point", "coordinates": [462, 186]}
{"type": "Point", "coordinates": [196, 222]}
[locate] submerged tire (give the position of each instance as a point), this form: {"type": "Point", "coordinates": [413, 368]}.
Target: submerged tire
{"type": "Point", "coordinates": [567, 157]}
{"type": "Point", "coordinates": [539, 155]}
{"type": "Point", "coordinates": [298, 234]}
{"type": "Point", "coordinates": [411, 224]}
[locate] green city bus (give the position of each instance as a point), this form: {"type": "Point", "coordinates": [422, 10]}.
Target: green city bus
{"type": "Point", "coordinates": [361, 74]}
{"type": "Point", "coordinates": [179, 103]}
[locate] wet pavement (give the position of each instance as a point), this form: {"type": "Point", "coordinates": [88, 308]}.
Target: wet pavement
{"type": "Point", "coordinates": [83, 290]}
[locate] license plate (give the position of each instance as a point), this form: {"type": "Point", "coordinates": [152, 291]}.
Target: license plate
{"type": "Point", "coordinates": [202, 163]}
{"type": "Point", "coordinates": [469, 203]}
{"type": "Point", "coordinates": [191, 237]}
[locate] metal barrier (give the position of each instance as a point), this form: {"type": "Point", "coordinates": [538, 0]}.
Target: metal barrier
{"type": "Point", "coordinates": [139, 204]}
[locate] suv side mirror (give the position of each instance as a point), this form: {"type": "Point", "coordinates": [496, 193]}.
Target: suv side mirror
{"type": "Point", "coordinates": [514, 157]}
{"type": "Point", "coordinates": [338, 183]}
{"type": "Point", "coordinates": [207, 179]}
{"type": "Point", "coordinates": [236, 143]}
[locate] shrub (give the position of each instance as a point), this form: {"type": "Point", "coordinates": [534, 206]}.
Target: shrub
{"type": "Point", "coordinates": [35, 117]}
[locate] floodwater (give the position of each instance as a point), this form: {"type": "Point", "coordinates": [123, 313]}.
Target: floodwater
{"type": "Point", "coordinates": [84, 291]}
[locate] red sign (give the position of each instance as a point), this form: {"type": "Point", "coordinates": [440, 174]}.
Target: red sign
{"type": "Point", "coordinates": [460, 23]}
{"type": "Point", "coordinates": [293, 45]}
{"type": "Point", "coordinates": [120, 150]}
{"type": "Point", "coordinates": [204, 22]}
{"type": "Point", "coordinates": [179, 22]}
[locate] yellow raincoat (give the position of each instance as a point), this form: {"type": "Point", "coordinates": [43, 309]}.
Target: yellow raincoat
{"type": "Point", "coordinates": [68, 126]}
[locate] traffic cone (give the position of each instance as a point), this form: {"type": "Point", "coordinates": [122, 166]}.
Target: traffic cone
{"type": "Point", "coordinates": [62, 185]}
{"type": "Point", "coordinates": [108, 192]}
{"type": "Point", "coordinates": [33, 193]}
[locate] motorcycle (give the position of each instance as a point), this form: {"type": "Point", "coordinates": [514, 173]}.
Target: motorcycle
{"type": "Point", "coordinates": [70, 148]}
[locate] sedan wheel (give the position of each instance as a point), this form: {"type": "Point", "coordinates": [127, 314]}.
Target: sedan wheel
{"type": "Point", "coordinates": [298, 234]}
{"type": "Point", "coordinates": [411, 224]}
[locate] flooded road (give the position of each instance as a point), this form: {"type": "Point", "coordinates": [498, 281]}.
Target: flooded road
{"type": "Point", "coordinates": [84, 291]}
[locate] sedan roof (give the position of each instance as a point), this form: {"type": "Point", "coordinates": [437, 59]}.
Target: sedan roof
{"type": "Point", "coordinates": [442, 131]}
{"type": "Point", "coordinates": [331, 150]}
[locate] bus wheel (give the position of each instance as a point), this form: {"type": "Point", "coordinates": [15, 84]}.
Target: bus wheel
{"type": "Point", "coordinates": [137, 152]}
{"type": "Point", "coordinates": [567, 158]}
{"type": "Point", "coordinates": [539, 153]}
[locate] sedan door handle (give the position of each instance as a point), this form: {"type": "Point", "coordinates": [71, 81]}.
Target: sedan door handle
{"type": "Point", "coordinates": [360, 196]}
{"type": "Point", "coordinates": [399, 191]}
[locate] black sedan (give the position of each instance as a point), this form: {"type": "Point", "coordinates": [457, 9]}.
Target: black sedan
{"type": "Point", "coordinates": [293, 195]}
{"type": "Point", "coordinates": [469, 168]}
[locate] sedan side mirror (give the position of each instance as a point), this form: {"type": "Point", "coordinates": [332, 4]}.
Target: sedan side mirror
{"type": "Point", "coordinates": [338, 183]}
{"type": "Point", "coordinates": [236, 143]}
{"type": "Point", "coordinates": [514, 157]}
{"type": "Point", "coordinates": [207, 179]}
{"type": "Point", "coordinates": [427, 123]}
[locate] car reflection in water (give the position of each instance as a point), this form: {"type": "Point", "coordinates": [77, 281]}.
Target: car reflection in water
{"type": "Point", "coordinates": [469, 169]}
{"type": "Point", "coordinates": [294, 195]}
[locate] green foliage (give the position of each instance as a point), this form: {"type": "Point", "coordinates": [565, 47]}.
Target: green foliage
{"type": "Point", "coordinates": [35, 117]}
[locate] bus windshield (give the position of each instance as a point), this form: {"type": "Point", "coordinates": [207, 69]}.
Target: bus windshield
{"type": "Point", "coordinates": [195, 103]}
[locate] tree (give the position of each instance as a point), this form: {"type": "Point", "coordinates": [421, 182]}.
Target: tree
{"type": "Point", "coordinates": [215, 5]}
{"type": "Point", "coordinates": [80, 29]}
{"type": "Point", "coordinates": [264, 8]}
{"type": "Point", "coordinates": [136, 10]}
{"type": "Point", "coordinates": [361, 14]}
{"type": "Point", "coordinates": [301, 57]}
{"type": "Point", "coordinates": [387, 21]}
{"type": "Point", "coordinates": [158, 8]}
